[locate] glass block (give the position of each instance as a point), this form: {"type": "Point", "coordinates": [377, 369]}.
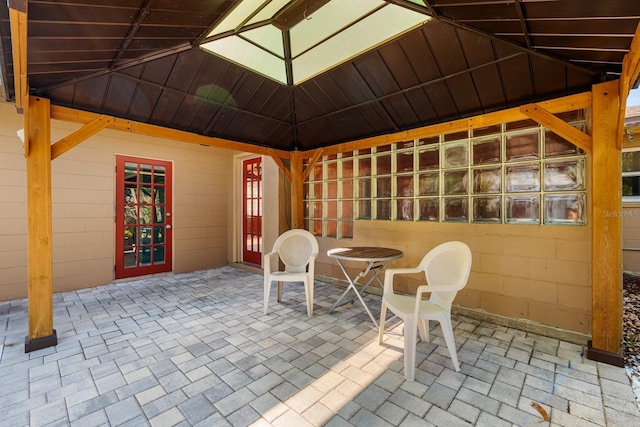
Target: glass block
{"type": "Point", "coordinates": [346, 154]}
{"type": "Point", "coordinates": [332, 228]}
{"type": "Point", "coordinates": [404, 209]}
{"type": "Point", "coordinates": [486, 151]}
{"type": "Point", "coordinates": [524, 209]}
{"type": "Point", "coordinates": [316, 175]}
{"type": "Point", "coordinates": [347, 189]}
{"type": "Point", "coordinates": [383, 187]}
{"type": "Point", "coordinates": [455, 182]}
{"type": "Point", "coordinates": [523, 147]}
{"type": "Point", "coordinates": [346, 229]}
{"type": "Point", "coordinates": [364, 166]}
{"type": "Point", "coordinates": [522, 178]}
{"type": "Point", "coordinates": [364, 187]}
{"type": "Point", "coordinates": [631, 161]}
{"type": "Point", "coordinates": [316, 209]}
{"type": "Point", "coordinates": [566, 175]}
{"type": "Point", "coordinates": [487, 180]}
{"type": "Point", "coordinates": [346, 208]}
{"type": "Point", "coordinates": [317, 228]}
{"type": "Point", "coordinates": [488, 130]}
{"type": "Point", "coordinates": [455, 155]}
{"type": "Point", "coordinates": [405, 144]}
{"type": "Point", "coordinates": [346, 167]}
{"type": "Point", "coordinates": [404, 161]}
{"type": "Point", "coordinates": [455, 136]}
{"type": "Point", "coordinates": [364, 209]}
{"type": "Point", "coordinates": [383, 209]}
{"type": "Point", "coordinates": [564, 209]}
{"type": "Point", "coordinates": [429, 158]}
{"type": "Point", "coordinates": [555, 146]}
{"type": "Point", "coordinates": [428, 184]}
{"type": "Point", "coordinates": [429, 140]}
{"type": "Point", "coordinates": [332, 170]}
{"type": "Point", "coordinates": [486, 209]}
{"type": "Point", "coordinates": [331, 209]}
{"type": "Point", "coordinates": [383, 148]}
{"type": "Point", "coordinates": [404, 186]}
{"type": "Point", "coordinates": [332, 190]}
{"type": "Point", "coordinates": [317, 190]}
{"type": "Point", "coordinates": [456, 209]}
{"type": "Point", "coordinates": [383, 164]}
{"type": "Point", "coordinates": [364, 151]}
{"type": "Point", "coordinates": [331, 156]}
{"type": "Point", "coordinates": [429, 209]}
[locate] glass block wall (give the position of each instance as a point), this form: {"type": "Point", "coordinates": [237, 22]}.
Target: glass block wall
{"type": "Point", "coordinates": [513, 173]}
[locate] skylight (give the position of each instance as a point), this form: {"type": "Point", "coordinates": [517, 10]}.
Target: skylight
{"type": "Point", "coordinates": [291, 41]}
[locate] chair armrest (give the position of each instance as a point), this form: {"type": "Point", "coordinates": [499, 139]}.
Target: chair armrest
{"type": "Point", "coordinates": [427, 289]}
{"type": "Point", "coordinates": [267, 262]}
{"type": "Point", "coordinates": [390, 272]}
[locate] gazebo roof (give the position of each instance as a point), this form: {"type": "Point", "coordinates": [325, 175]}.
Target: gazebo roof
{"type": "Point", "coordinates": [142, 60]}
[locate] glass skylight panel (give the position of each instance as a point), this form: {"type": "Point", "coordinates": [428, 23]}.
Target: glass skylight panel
{"type": "Point", "coordinates": [336, 32]}
{"type": "Point", "coordinates": [247, 55]}
{"type": "Point", "coordinates": [358, 38]}
{"type": "Point", "coordinates": [328, 20]}
{"type": "Point", "coordinates": [237, 16]}
{"type": "Point", "coordinates": [269, 37]}
{"type": "Point", "coordinates": [268, 11]}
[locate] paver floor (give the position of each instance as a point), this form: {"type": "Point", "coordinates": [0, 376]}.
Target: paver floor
{"type": "Point", "coordinates": [196, 349]}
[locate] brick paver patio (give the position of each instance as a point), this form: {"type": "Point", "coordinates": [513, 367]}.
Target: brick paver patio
{"type": "Point", "coordinates": [196, 349]}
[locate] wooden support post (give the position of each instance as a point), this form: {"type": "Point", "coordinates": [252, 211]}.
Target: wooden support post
{"type": "Point", "coordinates": [39, 231]}
{"type": "Point", "coordinates": [297, 191]}
{"type": "Point", "coordinates": [606, 248]}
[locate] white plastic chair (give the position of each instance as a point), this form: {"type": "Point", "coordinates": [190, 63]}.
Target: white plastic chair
{"type": "Point", "coordinates": [446, 268]}
{"type": "Point", "coordinates": [297, 249]}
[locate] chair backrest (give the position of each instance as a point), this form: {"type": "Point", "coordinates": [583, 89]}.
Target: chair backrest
{"type": "Point", "coordinates": [295, 248]}
{"type": "Point", "coordinates": [448, 264]}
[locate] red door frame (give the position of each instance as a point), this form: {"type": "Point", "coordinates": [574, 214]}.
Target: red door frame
{"type": "Point", "coordinates": [252, 210]}
{"type": "Point", "coordinates": [147, 248]}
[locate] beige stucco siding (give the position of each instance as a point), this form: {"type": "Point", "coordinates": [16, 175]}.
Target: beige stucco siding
{"type": "Point", "coordinates": [83, 185]}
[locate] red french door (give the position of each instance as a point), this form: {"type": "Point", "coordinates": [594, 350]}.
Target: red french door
{"type": "Point", "coordinates": [252, 211]}
{"type": "Point", "coordinates": [143, 217]}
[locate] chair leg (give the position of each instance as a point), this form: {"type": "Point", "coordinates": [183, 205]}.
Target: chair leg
{"type": "Point", "coordinates": [279, 291]}
{"type": "Point", "coordinates": [423, 327]}
{"type": "Point", "coordinates": [410, 339]}
{"type": "Point", "coordinates": [447, 331]}
{"type": "Point", "coordinates": [267, 291]}
{"type": "Point", "coordinates": [308, 290]}
{"type": "Point", "coordinates": [383, 315]}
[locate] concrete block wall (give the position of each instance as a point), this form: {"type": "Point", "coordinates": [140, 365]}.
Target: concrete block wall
{"type": "Point", "coordinates": [538, 273]}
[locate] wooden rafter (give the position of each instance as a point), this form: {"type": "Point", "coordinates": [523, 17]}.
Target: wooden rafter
{"type": "Point", "coordinates": [554, 106]}
{"type": "Point", "coordinates": [630, 72]}
{"type": "Point", "coordinates": [76, 137]}
{"type": "Point", "coordinates": [78, 116]}
{"type": "Point", "coordinates": [559, 126]}
{"type": "Point", "coordinates": [18, 19]}
{"type": "Point", "coordinates": [281, 165]}
{"type": "Point", "coordinates": [312, 161]}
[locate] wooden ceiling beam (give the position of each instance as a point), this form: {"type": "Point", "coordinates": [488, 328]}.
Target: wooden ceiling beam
{"type": "Point", "coordinates": [84, 117]}
{"type": "Point", "coordinates": [554, 106]}
{"type": "Point", "coordinates": [18, 20]}
{"type": "Point", "coordinates": [79, 135]}
{"type": "Point", "coordinates": [559, 126]}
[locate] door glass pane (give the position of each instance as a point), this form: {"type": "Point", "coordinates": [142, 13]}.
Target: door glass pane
{"type": "Point", "coordinates": [159, 210]}
{"type": "Point", "coordinates": [159, 174]}
{"type": "Point", "coordinates": [145, 173]}
{"type": "Point", "coordinates": [158, 234]}
{"type": "Point", "coordinates": [145, 214]}
{"type": "Point", "coordinates": [159, 194]}
{"type": "Point", "coordinates": [130, 172]}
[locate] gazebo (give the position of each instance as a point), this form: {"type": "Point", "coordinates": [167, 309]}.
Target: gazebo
{"type": "Point", "coordinates": [303, 80]}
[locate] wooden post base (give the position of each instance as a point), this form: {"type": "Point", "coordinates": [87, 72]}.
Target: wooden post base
{"type": "Point", "coordinates": [40, 343]}
{"type": "Point", "coordinates": [615, 359]}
